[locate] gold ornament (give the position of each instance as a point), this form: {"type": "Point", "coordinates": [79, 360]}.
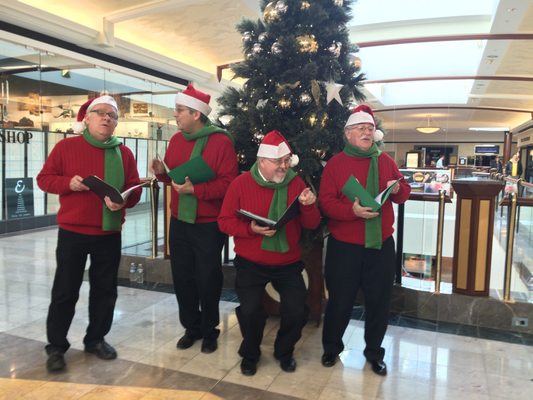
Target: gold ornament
{"type": "Point", "coordinates": [312, 119]}
{"type": "Point", "coordinates": [284, 103]}
{"type": "Point", "coordinates": [281, 87]}
{"type": "Point", "coordinates": [315, 91]}
{"type": "Point", "coordinates": [241, 158]}
{"type": "Point", "coordinates": [308, 43]}
{"type": "Point", "coordinates": [320, 153]}
{"type": "Point", "coordinates": [270, 14]}
{"type": "Point", "coordinates": [305, 5]}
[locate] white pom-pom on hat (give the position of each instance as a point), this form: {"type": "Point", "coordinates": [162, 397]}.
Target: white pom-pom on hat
{"type": "Point", "coordinates": [378, 135]}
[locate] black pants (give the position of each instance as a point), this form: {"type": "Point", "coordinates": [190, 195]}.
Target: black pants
{"type": "Point", "coordinates": [250, 283]}
{"type": "Point", "coordinates": [71, 255]}
{"type": "Point", "coordinates": [348, 268]}
{"type": "Point", "coordinates": [196, 262]}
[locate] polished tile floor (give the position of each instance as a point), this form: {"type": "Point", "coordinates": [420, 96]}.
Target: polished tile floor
{"type": "Point", "coordinates": [423, 364]}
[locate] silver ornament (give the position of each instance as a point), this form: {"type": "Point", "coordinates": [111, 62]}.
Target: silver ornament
{"type": "Point", "coordinates": [276, 48]}
{"type": "Point", "coordinates": [281, 7]}
{"type": "Point", "coordinates": [262, 37]}
{"type": "Point", "coordinates": [247, 37]}
{"type": "Point", "coordinates": [305, 98]}
{"type": "Point", "coordinates": [256, 48]}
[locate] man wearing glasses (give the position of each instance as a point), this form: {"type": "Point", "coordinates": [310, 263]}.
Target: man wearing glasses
{"type": "Point", "coordinates": [194, 238]}
{"type": "Point", "coordinates": [268, 255]}
{"type": "Point", "coordinates": [360, 248]}
{"type": "Point", "coordinates": [87, 226]}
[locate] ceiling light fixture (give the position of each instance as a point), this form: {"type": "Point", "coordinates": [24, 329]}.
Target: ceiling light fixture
{"type": "Point", "coordinates": [429, 128]}
{"type": "Point", "coordinates": [489, 129]}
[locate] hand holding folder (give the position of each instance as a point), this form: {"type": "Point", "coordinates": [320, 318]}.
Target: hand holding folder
{"type": "Point", "coordinates": [103, 189]}
{"type": "Point", "coordinates": [196, 169]}
{"type": "Point", "coordinates": [352, 189]}
{"type": "Point", "coordinates": [291, 212]}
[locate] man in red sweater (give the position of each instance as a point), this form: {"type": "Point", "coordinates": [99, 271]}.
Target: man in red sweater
{"type": "Point", "coordinates": [360, 249]}
{"type": "Point", "coordinates": [194, 239]}
{"type": "Point", "coordinates": [87, 227]}
{"type": "Point", "coordinates": [267, 255]}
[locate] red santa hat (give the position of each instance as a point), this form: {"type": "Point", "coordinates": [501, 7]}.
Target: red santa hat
{"type": "Point", "coordinates": [275, 146]}
{"type": "Point", "coordinates": [86, 107]}
{"type": "Point", "coordinates": [363, 114]}
{"type": "Point", "coordinates": [194, 99]}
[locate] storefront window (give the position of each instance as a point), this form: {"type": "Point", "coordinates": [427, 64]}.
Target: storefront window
{"type": "Point", "coordinates": [41, 93]}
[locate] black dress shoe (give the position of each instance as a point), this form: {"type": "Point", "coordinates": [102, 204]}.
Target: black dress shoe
{"type": "Point", "coordinates": [102, 350]}
{"type": "Point", "coordinates": [55, 362]}
{"type": "Point", "coordinates": [209, 345]}
{"type": "Point", "coordinates": [329, 359]}
{"type": "Point", "coordinates": [248, 367]}
{"type": "Point", "coordinates": [288, 364]}
{"type": "Point", "coordinates": [379, 367]}
{"type": "Point", "coordinates": [185, 342]}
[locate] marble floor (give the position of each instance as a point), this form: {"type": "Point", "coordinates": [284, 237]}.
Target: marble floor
{"type": "Point", "coordinates": [422, 364]}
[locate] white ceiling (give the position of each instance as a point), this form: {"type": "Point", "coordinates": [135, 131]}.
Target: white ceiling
{"type": "Point", "coordinates": [468, 80]}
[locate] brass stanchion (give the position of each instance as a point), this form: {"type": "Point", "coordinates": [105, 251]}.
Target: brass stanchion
{"type": "Point", "coordinates": [440, 237]}
{"type": "Point", "coordinates": [154, 202]}
{"type": "Point", "coordinates": [511, 221]}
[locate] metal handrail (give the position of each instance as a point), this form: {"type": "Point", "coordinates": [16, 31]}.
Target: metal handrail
{"type": "Point", "coordinates": [511, 221]}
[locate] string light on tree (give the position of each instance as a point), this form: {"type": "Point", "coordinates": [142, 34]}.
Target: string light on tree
{"type": "Point", "coordinates": [338, 3]}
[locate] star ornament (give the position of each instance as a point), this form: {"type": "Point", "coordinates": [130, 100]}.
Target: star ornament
{"type": "Point", "coordinates": [333, 90]}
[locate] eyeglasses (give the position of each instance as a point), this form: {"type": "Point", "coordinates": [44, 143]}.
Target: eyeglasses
{"type": "Point", "coordinates": [362, 128]}
{"type": "Point", "coordinates": [181, 109]}
{"type": "Point", "coordinates": [102, 114]}
{"type": "Point", "coordinates": [280, 161]}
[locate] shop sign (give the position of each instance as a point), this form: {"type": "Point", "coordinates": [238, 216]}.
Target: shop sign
{"type": "Point", "coordinates": [15, 136]}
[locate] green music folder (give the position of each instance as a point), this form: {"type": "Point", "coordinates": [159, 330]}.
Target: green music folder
{"type": "Point", "coordinates": [352, 189]}
{"type": "Point", "coordinates": [196, 169]}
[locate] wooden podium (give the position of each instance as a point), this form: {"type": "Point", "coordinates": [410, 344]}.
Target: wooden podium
{"type": "Point", "coordinates": [474, 227]}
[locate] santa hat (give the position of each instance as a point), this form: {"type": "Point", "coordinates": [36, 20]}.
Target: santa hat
{"type": "Point", "coordinates": [86, 107]}
{"type": "Point", "coordinates": [275, 146]}
{"type": "Point", "coordinates": [194, 99]}
{"type": "Point", "coordinates": [363, 115]}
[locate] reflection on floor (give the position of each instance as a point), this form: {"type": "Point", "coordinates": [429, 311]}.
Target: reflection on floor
{"type": "Point", "coordinates": [423, 364]}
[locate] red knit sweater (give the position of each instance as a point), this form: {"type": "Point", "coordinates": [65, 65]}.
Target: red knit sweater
{"type": "Point", "coordinates": [220, 155]}
{"type": "Point", "coordinates": [81, 212]}
{"type": "Point", "coordinates": [245, 193]}
{"type": "Point", "coordinates": [342, 223]}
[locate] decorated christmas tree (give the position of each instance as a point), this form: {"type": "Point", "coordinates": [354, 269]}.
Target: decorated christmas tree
{"type": "Point", "coordinates": [301, 77]}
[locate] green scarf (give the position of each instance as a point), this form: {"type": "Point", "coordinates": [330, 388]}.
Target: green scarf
{"type": "Point", "coordinates": [278, 242]}
{"type": "Point", "coordinates": [372, 225]}
{"type": "Point", "coordinates": [113, 174]}
{"type": "Point", "coordinates": [188, 204]}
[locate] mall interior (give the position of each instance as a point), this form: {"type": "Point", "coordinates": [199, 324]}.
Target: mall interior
{"type": "Point", "coordinates": [452, 79]}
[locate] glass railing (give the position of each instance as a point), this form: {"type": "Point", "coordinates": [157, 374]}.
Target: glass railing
{"type": "Point", "coordinates": [426, 240]}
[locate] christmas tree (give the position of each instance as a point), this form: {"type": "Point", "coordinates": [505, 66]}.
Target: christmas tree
{"type": "Point", "coordinates": [301, 78]}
